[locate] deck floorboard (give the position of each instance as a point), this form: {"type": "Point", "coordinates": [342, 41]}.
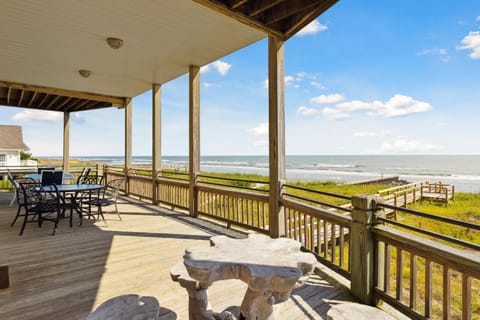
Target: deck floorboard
{"type": "Point", "coordinates": [68, 275]}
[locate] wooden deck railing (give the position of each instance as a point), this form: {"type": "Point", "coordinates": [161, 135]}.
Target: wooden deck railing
{"type": "Point", "coordinates": [421, 273]}
{"type": "Point", "coordinates": [427, 274]}
{"type": "Point", "coordinates": [322, 228]}
{"type": "Point", "coordinates": [238, 202]}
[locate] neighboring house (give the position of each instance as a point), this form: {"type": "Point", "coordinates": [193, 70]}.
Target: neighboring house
{"type": "Point", "coordinates": [11, 143]}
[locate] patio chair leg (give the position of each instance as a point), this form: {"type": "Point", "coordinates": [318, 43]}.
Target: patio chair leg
{"type": "Point", "coordinates": [24, 223]}
{"type": "Point", "coordinates": [116, 210]}
{"type": "Point", "coordinates": [13, 199]}
{"type": "Point", "coordinates": [16, 217]}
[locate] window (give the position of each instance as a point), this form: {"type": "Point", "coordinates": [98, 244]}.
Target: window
{"type": "Point", "coordinates": [2, 160]}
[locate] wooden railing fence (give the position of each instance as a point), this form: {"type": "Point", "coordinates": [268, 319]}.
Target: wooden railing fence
{"type": "Point", "coordinates": [424, 275]}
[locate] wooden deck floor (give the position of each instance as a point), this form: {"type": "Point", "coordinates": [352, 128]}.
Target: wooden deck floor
{"type": "Point", "coordinates": [68, 275]}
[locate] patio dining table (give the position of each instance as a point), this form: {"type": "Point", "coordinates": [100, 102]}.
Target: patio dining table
{"type": "Point", "coordinates": [74, 190]}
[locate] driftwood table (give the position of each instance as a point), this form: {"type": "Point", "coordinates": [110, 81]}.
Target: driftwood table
{"type": "Point", "coordinates": [270, 267]}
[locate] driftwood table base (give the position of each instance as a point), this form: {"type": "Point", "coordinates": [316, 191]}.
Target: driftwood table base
{"type": "Point", "coordinates": [270, 267]}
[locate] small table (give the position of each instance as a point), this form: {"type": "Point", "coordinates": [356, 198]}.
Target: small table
{"type": "Point", "coordinates": [74, 189]}
{"type": "Point", "coordinates": [270, 267]}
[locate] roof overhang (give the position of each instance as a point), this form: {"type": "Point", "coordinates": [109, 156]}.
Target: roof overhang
{"type": "Point", "coordinates": [44, 44]}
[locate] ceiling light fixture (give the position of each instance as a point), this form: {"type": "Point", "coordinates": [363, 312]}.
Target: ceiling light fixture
{"type": "Point", "coordinates": [85, 73]}
{"type": "Point", "coordinates": [115, 43]}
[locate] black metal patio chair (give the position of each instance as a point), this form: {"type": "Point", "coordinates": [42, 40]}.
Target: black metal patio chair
{"type": "Point", "coordinates": [106, 197]}
{"type": "Point", "coordinates": [37, 201]}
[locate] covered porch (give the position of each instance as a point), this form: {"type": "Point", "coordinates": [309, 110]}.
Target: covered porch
{"type": "Point", "coordinates": [67, 276]}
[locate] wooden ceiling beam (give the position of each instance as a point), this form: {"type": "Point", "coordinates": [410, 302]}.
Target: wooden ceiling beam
{"type": "Point", "coordinates": [43, 100]}
{"type": "Point", "coordinates": [8, 95]}
{"type": "Point", "coordinates": [288, 9]}
{"type": "Point", "coordinates": [58, 107]}
{"type": "Point", "coordinates": [234, 4]}
{"type": "Point", "coordinates": [22, 93]}
{"type": "Point", "coordinates": [256, 7]}
{"type": "Point", "coordinates": [115, 101]}
{"type": "Point", "coordinates": [77, 106]}
{"type": "Point", "coordinates": [299, 21]}
{"type": "Point", "coordinates": [53, 102]}
{"type": "Point", "coordinates": [34, 95]}
{"type": "Point", "coordinates": [222, 8]}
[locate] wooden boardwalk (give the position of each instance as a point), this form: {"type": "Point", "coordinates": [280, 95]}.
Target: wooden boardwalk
{"type": "Point", "coordinates": [68, 275]}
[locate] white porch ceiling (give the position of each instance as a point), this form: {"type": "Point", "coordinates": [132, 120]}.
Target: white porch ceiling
{"type": "Point", "coordinates": [46, 42]}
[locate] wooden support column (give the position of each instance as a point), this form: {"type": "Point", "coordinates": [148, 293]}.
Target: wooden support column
{"type": "Point", "coordinates": [156, 138]}
{"type": "Point", "coordinates": [362, 247]}
{"type": "Point", "coordinates": [276, 119]}
{"type": "Point", "coordinates": [66, 141]}
{"type": "Point", "coordinates": [128, 141]}
{"type": "Point", "coordinates": [194, 135]}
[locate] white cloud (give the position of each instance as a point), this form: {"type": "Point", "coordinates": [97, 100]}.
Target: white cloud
{"type": "Point", "coordinates": [357, 105]}
{"type": "Point", "coordinates": [403, 145]}
{"type": "Point", "coordinates": [441, 52]}
{"type": "Point", "coordinates": [317, 85]}
{"type": "Point", "coordinates": [220, 66]}
{"type": "Point", "coordinates": [288, 80]}
{"type": "Point", "coordinates": [442, 124]}
{"type": "Point", "coordinates": [471, 41]}
{"type": "Point", "coordinates": [368, 134]}
{"type": "Point", "coordinates": [313, 27]}
{"type": "Point", "coordinates": [478, 18]}
{"type": "Point", "coordinates": [327, 98]}
{"type": "Point", "coordinates": [306, 111]}
{"type": "Point", "coordinates": [399, 106]}
{"type": "Point", "coordinates": [260, 130]}
{"type": "Point", "coordinates": [334, 114]}
{"type": "Point", "coordinates": [211, 85]}
{"type": "Point", "coordinates": [39, 115]}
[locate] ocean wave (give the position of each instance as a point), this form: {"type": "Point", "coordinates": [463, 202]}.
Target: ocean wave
{"type": "Point", "coordinates": [331, 165]}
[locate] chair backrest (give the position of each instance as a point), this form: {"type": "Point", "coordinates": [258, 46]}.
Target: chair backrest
{"type": "Point", "coordinates": [50, 177]}
{"type": "Point", "coordinates": [112, 187]}
{"type": "Point", "coordinates": [33, 194]}
{"type": "Point", "coordinates": [45, 169]}
{"type": "Point", "coordinates": [84, 177]}
{"type": "Point", "coordinates": [80, 176]}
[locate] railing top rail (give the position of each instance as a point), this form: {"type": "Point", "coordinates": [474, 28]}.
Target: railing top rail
{"type": "Point", "coordinates": [319, 192]}
{"type": "Point", "coordinates": [172, 178]}
{"type": "Point", "coordinates": [318, 202]}
{"type": "Point", "coordinates": [440, 236]}
{"type": "Point", "coordinates": [325, 214]}
{"type": "Point", "coordinates": [233, 187]}
{"type": "Point", "coordinates": [250, 195]}
{"type": "Point", "coordinates": [463, 259]}
{"type": "Point", "coordinates": [174, 172]}
{"type": "Point", "coordinates": [432, 216]}
{"type": "Point", "coordinates": [232, 179]}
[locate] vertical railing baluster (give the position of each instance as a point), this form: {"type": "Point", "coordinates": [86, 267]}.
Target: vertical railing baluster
{"type": "Point", "coordinates": [428, 288]}
{"type": "Point", "coordinates": [312, 233]}
{"type": "Point", "coordinates": [325, 239]}
{"type": "Point", "coordinates": [319, 243]}
{"type": "Point", "coordinates": [466, 297]}
{"type": "Point", "coordinates": [446, 293]}
{"type": "Point", "coordinates": [399, 286]}
{"type": "Point", "coordinates": [413, 281]}
{"type": "Point", "coordinates": [387, 268]}
{"type": "Point", "coordinates": [342, 253]}
{"type": "Point", "coordinates": [333, 237]}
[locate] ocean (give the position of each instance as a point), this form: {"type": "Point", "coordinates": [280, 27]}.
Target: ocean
{"type": "Point", "coordinates": [461, 171]}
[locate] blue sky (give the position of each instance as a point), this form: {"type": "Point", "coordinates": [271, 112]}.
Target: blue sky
{"type": "Point", "coordinates": [366, 77]}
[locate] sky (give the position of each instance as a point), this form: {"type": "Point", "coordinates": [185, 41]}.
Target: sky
{"type": "Point", "coordinates": [365, 78]}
